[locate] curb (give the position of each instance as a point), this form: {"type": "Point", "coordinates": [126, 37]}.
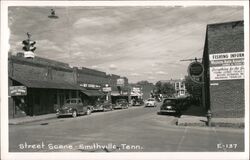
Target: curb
{"type": "Point", "coordinates": [213, 124]}
{"type": "Point", "coordinates": [29, 121]}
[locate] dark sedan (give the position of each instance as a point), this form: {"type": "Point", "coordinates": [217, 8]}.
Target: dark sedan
{"type": "Point", "coordinates": [170, 105]}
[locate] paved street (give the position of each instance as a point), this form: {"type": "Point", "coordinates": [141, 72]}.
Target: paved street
{"type": "Point", "coordinates": [136, 129]}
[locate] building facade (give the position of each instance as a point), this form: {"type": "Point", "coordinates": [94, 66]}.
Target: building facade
{"type": "Point", "coordinates": [39, 86]}
{"type": "Point", "coordinates": [223, 60]}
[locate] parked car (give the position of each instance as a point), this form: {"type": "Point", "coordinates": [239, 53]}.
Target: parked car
{"type": "Point", "coordinates": [150, 102]}
{"type": "Point", "coordinates": [74, 107]}
{"type": "Point", "coordinates": [121, 104]}
{"type": "Point", "coordinates": [103, 105]}
{"type": "Point", "coordinates": [170, 105]}
{"type": "Point", "coordinates": [137, 102]}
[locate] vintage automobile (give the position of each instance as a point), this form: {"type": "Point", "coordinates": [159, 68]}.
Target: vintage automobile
{"type": "Point", "coordinates": [150, 102]}
{"type": "Point", "coordinates": [121, 104]}
{"type": "Point", "coordinates": [103, 105]}
{"type": "Point", "coordinates": [74, 107]}
{"type": "Point", "coordinates": [170, 105]}
{"type": "Point", "coordinates": [137, 102]}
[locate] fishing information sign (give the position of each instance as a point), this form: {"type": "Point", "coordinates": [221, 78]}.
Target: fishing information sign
{"type": "Point", "coordinates": [227, 66]}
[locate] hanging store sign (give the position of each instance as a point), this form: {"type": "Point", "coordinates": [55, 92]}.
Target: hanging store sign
{"type": "Point", "coordinates": [18, 90]}
{"type": "Point", "coordinates": [195, 69]}
{"type": "Point", "coordinates": [227, 66]}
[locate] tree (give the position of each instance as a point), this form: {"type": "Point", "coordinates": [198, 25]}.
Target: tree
{"type": "Point", "coordinates": [158, 87]}
{"type": "Point", "coordinates": [143, 83]}
{"type": "Point", "coordinates": [164, 88]}
{"type": "Point", "coordinates": [168, 89]}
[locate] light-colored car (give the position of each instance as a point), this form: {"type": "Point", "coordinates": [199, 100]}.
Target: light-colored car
{"type": "Point", "coordinates": [74, 107]}
{"type": "Point", "coordinates": [150, 102]}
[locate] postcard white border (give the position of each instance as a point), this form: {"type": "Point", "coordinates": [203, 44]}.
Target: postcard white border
{"type": "Point", "coordinates": [145, 155]}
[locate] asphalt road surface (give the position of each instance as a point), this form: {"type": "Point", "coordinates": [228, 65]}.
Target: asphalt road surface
{"type": "Point", "coordinates": [136, 129]}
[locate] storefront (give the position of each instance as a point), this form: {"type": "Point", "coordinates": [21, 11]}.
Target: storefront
{"type": "Point", "coordinates": [41, 97]}
{"type": "Point", "coordinates": [44, 85]}
{"type": "Point", "coordinates": [91, 95]}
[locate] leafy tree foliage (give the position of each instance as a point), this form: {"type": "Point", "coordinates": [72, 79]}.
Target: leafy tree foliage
{"type": "Point", "coordinates": [164, 88]}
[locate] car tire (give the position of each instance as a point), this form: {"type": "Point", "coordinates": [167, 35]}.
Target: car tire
{"type": "Point", "coordinates": [88, 112]}
{"type": "Point", "coordinates": [74, 114]}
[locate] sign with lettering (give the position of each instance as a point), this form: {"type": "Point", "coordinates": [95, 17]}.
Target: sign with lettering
{"type": "Point", "coordinates": [195, 69]}
{"type": "Point", "coordinates": [120, 82]}
{"type": "Point", "coordinates": [106, 89]}
{"type": "Point", "coordinates": [18, 90]}
{"type": "Point", "coordinates": [227, 66]}
{"type": "Point", "coordinates": [85, 85]}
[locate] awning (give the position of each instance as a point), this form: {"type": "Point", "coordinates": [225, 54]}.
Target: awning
{"type": "Point", "coordinates": [46, 84]}
{"type": "Point", "coordinates": [92, 92]}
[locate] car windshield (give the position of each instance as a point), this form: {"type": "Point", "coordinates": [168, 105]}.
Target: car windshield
{"type": "Point", "coordinates": [151, 100]}
{"type": "Point", "coordinates": [169, 102]}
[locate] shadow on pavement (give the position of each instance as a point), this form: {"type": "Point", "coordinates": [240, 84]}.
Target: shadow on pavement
{"type": "Point", "coordinates": [195, 110]}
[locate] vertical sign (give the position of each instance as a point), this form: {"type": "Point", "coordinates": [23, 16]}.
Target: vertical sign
{"type": "Point", "coordinates": [227, 66]}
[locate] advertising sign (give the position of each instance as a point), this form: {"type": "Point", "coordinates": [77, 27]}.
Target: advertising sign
{"type": "Point", "coordinates": [227, 66]}
{"type": "Point", "coordinates": [29, 54]}
{"type": "Point", "coordinates": [95, 86]}
{"type": "Point", "coordinates": [106, 89]}
{"type": "Point", "coordinates": [195, 69]}
{"type": "Point", "coordinates": [18, 90]}
{"type": "Point", "coordinates": [120, 82]}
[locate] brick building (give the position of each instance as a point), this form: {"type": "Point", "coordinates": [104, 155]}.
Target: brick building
{"type": "Point", "coordinates": [49, 83]}
{"type": "Point", "coordinates": [223, 60]}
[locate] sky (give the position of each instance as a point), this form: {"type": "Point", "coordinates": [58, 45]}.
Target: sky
{"type": "Point", "coordinates": [139, 42]}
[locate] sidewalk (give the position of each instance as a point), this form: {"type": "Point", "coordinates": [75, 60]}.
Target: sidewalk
{"type": "Point", "coordinates": [196, 116]}
{"type": "Point", "coordinates": [27, 119]}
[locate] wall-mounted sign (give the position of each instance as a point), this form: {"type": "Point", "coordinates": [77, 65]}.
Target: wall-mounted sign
{"type": "Point", "coordinates": [120, 82]}
{"type": "Point", "coordinates": [106, 89]}
{"type": "Point", "coordinates": [227, 66]}
{"type": "Point", "coordinates": [18, 90]}
{"type": "Point", "coordinates": [85, 85]}
{"type": "Point", "coordinates": [195, 69]}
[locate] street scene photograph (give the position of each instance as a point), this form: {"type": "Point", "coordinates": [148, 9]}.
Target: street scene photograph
{"type": "Point", "coordinates": [142, 78]}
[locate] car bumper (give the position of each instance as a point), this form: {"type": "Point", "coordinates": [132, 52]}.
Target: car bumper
{"type": "Point", "coordinates": [150, 105]}
{"type": "Point", "coordinates": [64, 112]}
{"type": "Point", "coordinates": [168, 111]}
